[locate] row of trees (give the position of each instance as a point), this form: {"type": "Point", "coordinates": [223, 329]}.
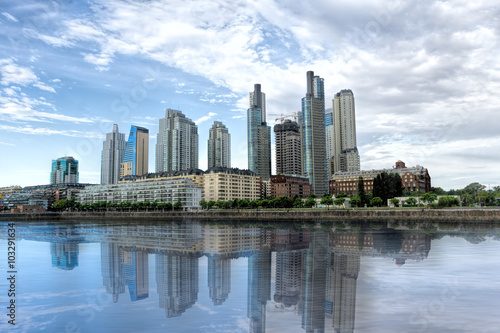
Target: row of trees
{"type": "Point", "coordinates": [269, 202]}
{"type": "Point", "coordinates": [71, 204]}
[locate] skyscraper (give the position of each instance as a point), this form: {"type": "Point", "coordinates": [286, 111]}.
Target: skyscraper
{"type": "Point", "coordinates": [346, 156]}
{"type": "Point", "coordinates": [113, 150]}
{"type": "Point", "coordinates": [219, 146]}
{"type": "Point", "coordinates": [288, 159]}
{"type": "Point", "coordinates": [64, 170]}
{"type": "Point", "coordinates": [329, 141]}
{"type": "Point", "coordinates": [176, 143]}
{"type": "Point", "coordinates": [313, 134]}
{"type": "Point", "coordinates": [135, 159]}
{"type": "Point", "coordinates": [259, 135]}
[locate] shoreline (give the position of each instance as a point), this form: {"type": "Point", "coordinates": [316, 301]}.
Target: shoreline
{"type": "Point", "coordinates": [417, 215]}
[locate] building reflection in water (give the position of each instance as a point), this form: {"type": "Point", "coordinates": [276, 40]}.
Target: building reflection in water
{"type": "Point", "coordinates": [315, 271]}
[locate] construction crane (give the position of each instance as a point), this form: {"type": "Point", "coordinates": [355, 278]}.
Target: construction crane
{"type": "Point", "coordinates": [295, 116]}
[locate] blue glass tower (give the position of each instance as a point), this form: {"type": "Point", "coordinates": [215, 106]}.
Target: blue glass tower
{"type": "Point", "coordinates": [314, 164]}
{"type": "Point", "coordinates": [135, 159]}
{"type": "Point", "coordinates": [64, 170]}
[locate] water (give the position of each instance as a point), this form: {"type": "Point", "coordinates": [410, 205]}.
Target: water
{"type": "Point", "coordinates": [200, 277]}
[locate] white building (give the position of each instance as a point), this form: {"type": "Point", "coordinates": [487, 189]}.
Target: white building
{"type": "Point", "coordinates": [113, 149]}
{"type": "Point", "coordinates": [176, 143]}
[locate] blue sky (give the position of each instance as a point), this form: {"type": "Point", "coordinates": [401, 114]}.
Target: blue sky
{"type": "Point", "coordinates": [425, 77]}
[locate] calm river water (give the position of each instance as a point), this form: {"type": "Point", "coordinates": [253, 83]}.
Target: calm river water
{"type": "Point", "coordinates": [214, 277]}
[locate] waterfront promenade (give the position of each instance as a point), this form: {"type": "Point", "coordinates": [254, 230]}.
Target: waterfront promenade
{"type": "Point", "coordinates": [417, 215]}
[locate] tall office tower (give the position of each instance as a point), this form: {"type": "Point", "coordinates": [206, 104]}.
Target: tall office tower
{"type": "Point", "coordinates": [219, 278]}
{"type": "Point", "coordinates": [176, 143]}
{"type": "Point", "coordinates": [177, 281]}
{"type": "Point", "coordinates": [329, 141]}
{"type": "Point", "coordinates": [64, 170]}
{"type": "Point", "coordinates": [314, 283]}
{"type": "Point", "coordinates": [259, 289]}
{"type": "Point", "coordinates": [259, 135]}
{"type": "Point", "coordinates": [288, 159]}
{"type": "Point", "coordinates": [313, 135]}
{"type": "Point", "coordinates": [346, 270]}
{"type": "Point", "coordinates": [113, 150]}
{"type": "Point", "coordinates": [113, 276]}
{"type": "Point", "coordinates": [344, 120]}
{"type": "Point", "coordinates": [135, 269]}
{"type": "Point", "coordinates": [135, 159]}
{"type": "Point", "coordinates": [219, 146]}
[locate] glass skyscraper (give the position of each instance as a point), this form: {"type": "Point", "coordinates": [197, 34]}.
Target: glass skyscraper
{"type": "Point", "coordinates": [259, 135]}
{"type": "Point", "coordinates": [64, 170]}
{"type": "Point", "coordinates": [135, 159]}
{"type": "Point", "coordinates": [176, 143]}
{"type": "Point", "coordinates": [313, 135]}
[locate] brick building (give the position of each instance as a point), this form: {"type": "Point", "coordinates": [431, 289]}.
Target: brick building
{"type": "Point", "coordinates": [290, 186]}
{"type": "Point", "coordinates": [413, 178]}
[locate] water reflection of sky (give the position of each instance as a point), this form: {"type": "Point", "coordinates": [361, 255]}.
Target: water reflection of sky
{"type": "Point", "coordinates": [448, 284]}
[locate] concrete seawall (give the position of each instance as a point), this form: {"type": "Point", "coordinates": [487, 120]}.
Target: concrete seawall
{"type": "Point", "coordinates": [417, 215]}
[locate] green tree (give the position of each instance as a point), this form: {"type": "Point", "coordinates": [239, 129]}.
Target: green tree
{"type": "Point", "coordinates": [203, 204]}
{"type": "Point", "coordinates": [411, 202]}
{"type": "Point", "coordinates": [326, 200]}
{"type": "Point", "coordinates": [310, 202]}
{"type": "Point", "coordinates": [429, 197]}
{"type": "Point", "coordinates": [178, 205]}
{"type": "Point", "coordinates": [298, 203]}
{"type": "Point", "coordinates": [210, 204]}
{"type": "Point", "coordinates": [339, 201]}
{"type": "Point", "coordinates": [356, 200]}
{"type": "Point", "coordinates": [387, 185]}
{"type": "Point", "coordinates": [438, 191]}
{"type": "Point", "coordinates": [376, 201]}
{"type": "Point", "coordinates": [395, 202]}
{"type": "Point", "coordinates": [361, 191]}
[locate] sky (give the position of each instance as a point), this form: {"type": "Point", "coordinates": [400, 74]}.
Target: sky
{"type": "Point", "coordinates": [425, 77]}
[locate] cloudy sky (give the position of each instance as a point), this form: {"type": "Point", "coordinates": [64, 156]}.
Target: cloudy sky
{"type": "Point", "coordinates": [425, 76]}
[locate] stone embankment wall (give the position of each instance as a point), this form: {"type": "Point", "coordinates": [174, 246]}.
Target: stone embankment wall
{"type": "Point", "coordinates": [417, 215]}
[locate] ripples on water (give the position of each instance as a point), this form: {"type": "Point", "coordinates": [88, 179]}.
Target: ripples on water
{"type": "Point", "coordinates": [214, 277]}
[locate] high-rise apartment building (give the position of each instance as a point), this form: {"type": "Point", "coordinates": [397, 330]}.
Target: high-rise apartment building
{"type": "Point", "coordinates": [313, 134]}
{"type": "Point", "coordinates": [288, 148]}
{"type": "Point", "coordinates": [346, 156]}
{"type": "Point", "coordinates": [113, 150]}
{"type": "Point", "coordinates": [259, 135]}
{"type": "Point", "coordinates": [64, 170]}
{"type": "Point", "coordinates": [135, 159]}
{"type": "Point", "coordinates": [219, 146]}
{"type": "Point", "coordinates": [176, 143]}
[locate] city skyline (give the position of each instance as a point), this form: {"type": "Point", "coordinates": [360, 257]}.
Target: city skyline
{"type": "Point", "coordinates": [69, 71]}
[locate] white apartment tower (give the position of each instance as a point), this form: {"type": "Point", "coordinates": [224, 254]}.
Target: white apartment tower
{"type": "Point", "coordinates": [346, 156]}
{"type": "Point", "coordinates": [113, 149]}
{"type": "Point", "coordinates": [176, 143]}
{"type": "Point", "coordinates": [219, 146]}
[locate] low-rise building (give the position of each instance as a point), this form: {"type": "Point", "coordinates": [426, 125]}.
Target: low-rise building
{"type": "Point", "coordinates": [413, 179]}
{"type": "Point", "coordinates": [170, 190]}
{"type": "Point", "coordinates": [44, 195]}
{"type": "Point", "coordinates": [231, 183]}
{"type": "Point", "coordinates": [290, 186]}
{"type": "Point", "coordinates": [36, 209]}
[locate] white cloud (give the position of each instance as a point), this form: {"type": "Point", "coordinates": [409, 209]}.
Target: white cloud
{"type": "Point", "coordinates": [10, 17]}
{"type": "Point", "coordinates": [12, 73]}
{"type": "Point", "coordinates": [205, 118]}
{"type": "Point", "coordinates": [18, 107]}
{"type": "Point", "coordinates": [47, 131]}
